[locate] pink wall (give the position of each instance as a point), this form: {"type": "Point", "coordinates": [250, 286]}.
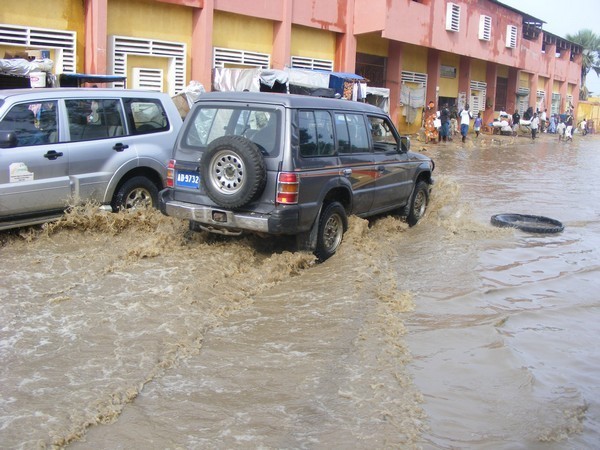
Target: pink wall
{"type": "Point", "coordinates": [399, 21]}
{"type": "Point", "coordinates": [324, 14]}
{"type": "Point", "coordinates": [265, 9]}
{"type": "Point", "coordinates": [425, 25]}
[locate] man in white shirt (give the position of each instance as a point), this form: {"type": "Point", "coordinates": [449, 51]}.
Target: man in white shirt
{"type": "Point", "coordinates": [543, 118]}
{"type": "Point", "coordinates": [535, 122]}
{"type": "Point", "coordinates": [583, 126]}
{"type": "Point", "coordinates": [465, 121]}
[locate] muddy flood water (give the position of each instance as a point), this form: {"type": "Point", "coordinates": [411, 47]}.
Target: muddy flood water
{"type": "Point", "coordinates": [126, 331]}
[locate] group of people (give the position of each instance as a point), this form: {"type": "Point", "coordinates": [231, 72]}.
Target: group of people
{"type": "Point", "coordinates": [561, 124]}
{"type": "Point", "coordinates": [441, 125]}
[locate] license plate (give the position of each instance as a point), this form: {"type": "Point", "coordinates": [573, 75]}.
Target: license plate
{"type": "Point", "coordinates": [187, 179]}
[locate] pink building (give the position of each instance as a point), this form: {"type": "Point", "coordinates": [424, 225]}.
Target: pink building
{"type": "Point", "coordinates": [484, 53]}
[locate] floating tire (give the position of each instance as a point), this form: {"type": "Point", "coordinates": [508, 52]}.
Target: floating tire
{"type": "Point", "coordinates": [531, 224]}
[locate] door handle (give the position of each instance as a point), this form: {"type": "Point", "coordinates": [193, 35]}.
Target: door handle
{"type": "Point", "coordinates": [53, 154]}
{"type": "Point", "coordinates": [120, 147]}
{"type": "Point", "coordinates": [381, 168]}
{"type": "Point", "coordinates": [346, 172]}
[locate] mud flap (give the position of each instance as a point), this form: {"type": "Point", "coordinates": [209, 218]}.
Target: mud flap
{"type": "Point", "coordinates": [307, 241]}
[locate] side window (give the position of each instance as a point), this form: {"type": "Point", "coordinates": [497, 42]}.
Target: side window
{"type": "Point", "coordinates": [351, 133]}
{"type": "Point", "coordinates": [343, 137]}
{"type": "Point", "coordinates": [308, 133]}
{"type": "Point", "coordinates": [316, 133]}
{"type": "Point", "coordinates": [94, 118]}
{"type": "Point", "coordinates": [33, 123]}
{"type": "Point", "coordinates": [359, 139]}
{"type": "Point", "coordinates": [145, 115]}
{"type": "Point", "coordinates": [382, 134]}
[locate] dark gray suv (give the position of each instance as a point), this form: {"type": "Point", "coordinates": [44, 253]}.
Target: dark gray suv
{"type": "Point", "coordinates": [291, 165]}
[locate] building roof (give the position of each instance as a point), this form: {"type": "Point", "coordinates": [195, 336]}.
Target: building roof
{"type": "Point", "coordinates": [526, 17]}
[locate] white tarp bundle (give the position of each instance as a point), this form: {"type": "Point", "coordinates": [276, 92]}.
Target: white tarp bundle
{"type": "Point", "coordinates": [192, 91]}
{"type": "Point", "coordinates": [379, 97]}
{"type": "Point", "coordinates": [270, 76]}
{"type": "Point", "coordinates": [235, 79]}
{"type": "Point", "coordinates": [23, 67]}
{"type": "Point", "coordinates": [308, 78]}
{"type": "Point", "coordinates": [225, 79]}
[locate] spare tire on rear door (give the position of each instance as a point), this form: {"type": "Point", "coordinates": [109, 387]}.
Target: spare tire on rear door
{"type": "Point", "coordinates": [233, 171]}
{"type": "Point", "coordinates": [532, 224]}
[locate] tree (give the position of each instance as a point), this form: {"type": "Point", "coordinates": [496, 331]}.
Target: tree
{"type": "Point", "coordinates": [590, 56]}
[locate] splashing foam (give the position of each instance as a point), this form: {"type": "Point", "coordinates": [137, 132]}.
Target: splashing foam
{"type": "Point", "coordinates": [447, 210]}
{"type": "Point", "coordinates": [88, 217]}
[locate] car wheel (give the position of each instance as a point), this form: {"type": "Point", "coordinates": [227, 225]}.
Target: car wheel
{"type": "Point", "coordinates": [418, 203]}
{"type": "Point", "coordinates": [232, 171]}
{"type": "Point", "coordinates": [333, 223]}
{"type": "Point", "coordinates": [137, 192]}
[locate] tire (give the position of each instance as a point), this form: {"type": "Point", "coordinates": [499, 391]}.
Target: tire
{"type": "Point", "coordinates": [524, 222]}
{"type": "Point", "coordinates": [418, 203]}
{"type": "Point", "coordinates": [333, 223]}
{"type": "Point", "coordinates": [137, 192]}
{"type": "Point", "coordinates": [233, 171]}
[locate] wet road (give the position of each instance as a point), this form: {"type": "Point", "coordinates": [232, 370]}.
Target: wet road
{"type": "Point", "coordinates": [126, 331]}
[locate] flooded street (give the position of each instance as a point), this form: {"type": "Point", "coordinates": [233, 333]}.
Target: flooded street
{"type": "Point", "coordinates": [127, 331]}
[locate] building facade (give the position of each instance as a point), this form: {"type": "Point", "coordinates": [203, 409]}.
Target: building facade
{"type": "Point", "coordinates": [479, 52]}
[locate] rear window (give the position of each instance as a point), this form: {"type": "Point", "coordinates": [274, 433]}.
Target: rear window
{"type": "Point", "coordinates": [259, 125]}
{"type": "Point", "coordinates": [146, 115]}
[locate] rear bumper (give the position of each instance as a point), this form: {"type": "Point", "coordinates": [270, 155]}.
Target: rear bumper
{"type": "Point", "coordinates": [279, 221]}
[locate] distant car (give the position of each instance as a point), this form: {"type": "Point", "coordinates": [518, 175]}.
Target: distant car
{"type": "Point", "coordinates": [59, 146]}
{"type": "Point", "coordinates": [291, 165]}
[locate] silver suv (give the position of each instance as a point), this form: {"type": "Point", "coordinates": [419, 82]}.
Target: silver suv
{"type": "Point", "coordinates": [58, 146]}
{"type": "Point", "coordinates": [291, 165]}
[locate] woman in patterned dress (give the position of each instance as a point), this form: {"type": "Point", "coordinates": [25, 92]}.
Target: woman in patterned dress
{"type": "Point", "coordinates": [431, 132]}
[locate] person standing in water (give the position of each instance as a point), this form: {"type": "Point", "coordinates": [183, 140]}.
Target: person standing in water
{"type": "Point", "coordinates": [477, 124]}
{"type": "Point", "coordinates": [535, 123]}
{"type": "Point", "coordinates": [431, 131]}
{"type": "Point", "coordinates": [465, 121]}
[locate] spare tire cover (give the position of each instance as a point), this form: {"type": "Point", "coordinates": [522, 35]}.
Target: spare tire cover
{"type": "Point", "coordinates": [233, 171]}
{"type": "Point", "coordinates": [532, 224]}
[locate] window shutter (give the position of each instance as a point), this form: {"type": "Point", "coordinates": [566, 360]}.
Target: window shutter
{"type": "Point", "coordinates": [64, 43]}
{"type": "Point", "coordinates": [555, 108]}
{"type": "Point", "coordinates": [148, 79]}
{"type": "Point", "coordinates": [452, 17]}
{"type": "Point", "coordinates": [478, 93]}
{"type": "Point", "coordinates": [300, 62]}
{"type": "Point", "coordinates": [414, 77]}
{"type": "Point", "coordinates": [485, 28]}
{"type": "Point", "coordinates": [511, 36]}
{"type": "Point", "coordinates": [122, 46]}
{"type": "Point", "coordinates": [224, 56]}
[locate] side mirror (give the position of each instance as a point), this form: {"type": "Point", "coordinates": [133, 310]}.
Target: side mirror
{"type": "Point", "coordinates": [404, 144]}
{"type": "Point", "coordinates": [8, 139]}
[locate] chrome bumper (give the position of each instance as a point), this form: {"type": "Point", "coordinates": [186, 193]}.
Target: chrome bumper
{"type": "Point", "coordinates": [206, 215]}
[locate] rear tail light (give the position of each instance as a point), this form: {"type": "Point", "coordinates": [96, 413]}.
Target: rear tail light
{"type": "Point", "coordinates": [171, 173]}
{"type": "Point", "coordinates": [287, 188]}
